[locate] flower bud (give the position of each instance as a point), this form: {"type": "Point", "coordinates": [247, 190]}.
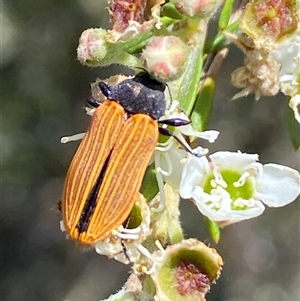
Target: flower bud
{"type": "Point", "coordinates": [202, 8]}
{"type": "Point", "coordinates": [92, 46]}
{"type": "Point", "coordinates": [165, 57]}
{"type": "Point", "coordinates": [94, 50]}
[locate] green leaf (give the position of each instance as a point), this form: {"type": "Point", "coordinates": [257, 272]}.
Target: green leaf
{"type": "Point", "coordinates": [148, 286]}
{"type": "Point", "coordinates": [294, 129]}
{"type": "Point", "coordinates": [225, 14]}
{"type": "Point", "coordinates": [135, 218]}
{"type": "Point", "coordinates": [175, 231]}
{"type": "Point", "coordinates": [191, 77]}
{"type": "Point", "coordinates": [169, 10]}
{"type": "Point", "coordinates": [149, 187]}
{"type": "Point", "coordinates": [204, 105]}
{"type": "Point", "coordinates": [213, 229]}
{"type": "Point", "coordinates": [137, 43]}
{"type": "Point", "coordinates": [215, 44]}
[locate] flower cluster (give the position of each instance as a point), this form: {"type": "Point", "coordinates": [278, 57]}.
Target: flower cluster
{"type": "Point", "coordinates": [168, 40]}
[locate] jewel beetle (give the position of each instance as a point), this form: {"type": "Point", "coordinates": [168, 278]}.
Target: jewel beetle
{"type": "Point", "coordinates": [107, 170]}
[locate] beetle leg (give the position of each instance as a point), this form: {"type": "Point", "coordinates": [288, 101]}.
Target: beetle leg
{"type": "Point", "coordinates": [175, 121]}
{"type": "Point", "coordinates": [93, 102]}
{"type": "Point", "coordinates": [182, 142]}
{"type": "Point", "coordinates": [125, 251]}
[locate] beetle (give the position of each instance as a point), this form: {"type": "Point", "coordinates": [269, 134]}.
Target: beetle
{"type": "Point", "coordinates": [107, 170]}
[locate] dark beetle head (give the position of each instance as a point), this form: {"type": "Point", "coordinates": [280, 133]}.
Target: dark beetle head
{"type": "Point", "coordinates": [140, 94]}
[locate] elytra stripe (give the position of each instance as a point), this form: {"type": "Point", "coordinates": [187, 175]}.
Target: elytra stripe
{"type": "Point", "coordinates": [128, 162]}
{"type": "Point", "coordinates": [98, 149]}
{"type": "Point", "coordinates": [89, 162]}
{"type": "Point", "coordinates": [81, 177]}
{"type": "Point", "coordinates": [107, 122]}
{"type": "Point", "coordinates": [123, 158]}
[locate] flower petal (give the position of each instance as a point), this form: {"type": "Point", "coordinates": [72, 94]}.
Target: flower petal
{"type": "Point", "coordinates": [225, 212]}
{"type": "Point", "coordinates": [281, 184]}
{"type": "Point", "coordinates": [192, 175]}
{"type": "Point", "coordinates": [211, 135]}
{"type": "Point", "coordinates": [233, 160]}
{"type": "Point", "coordinates": [174, 156]}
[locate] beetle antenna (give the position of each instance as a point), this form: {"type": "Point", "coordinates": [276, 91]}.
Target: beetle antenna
{"type": "Point", "coordinates": [125, 250]}
{"type": "Point", "coordinates": [141, 68]}
{"type": "Point", "coordinates": [171, 99]}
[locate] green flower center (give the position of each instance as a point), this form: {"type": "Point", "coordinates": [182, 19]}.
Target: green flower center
{"type": "Point", "coordinates": [234, 186]}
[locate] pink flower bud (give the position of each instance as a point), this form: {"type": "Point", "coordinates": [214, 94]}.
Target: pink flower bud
{"type": "Point", "coordinates": [92, 46]}
{"type": "Point", "coordinates": [165, 57]}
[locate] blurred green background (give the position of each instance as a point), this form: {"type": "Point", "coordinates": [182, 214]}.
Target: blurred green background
{"type": "Point", "coordinates": [43, 89]}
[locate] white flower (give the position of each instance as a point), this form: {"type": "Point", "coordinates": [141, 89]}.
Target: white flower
{"type": "Point", "coordinates": [167, 154]}
{"type": "Point", "coordinates": [229, 187]}
{"type": "Point", "coordinates": [168, 157]}
{"type": "Point", "coordinates": [288, 56]}
{"type": "Point", "coordinates": [168, 160]}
